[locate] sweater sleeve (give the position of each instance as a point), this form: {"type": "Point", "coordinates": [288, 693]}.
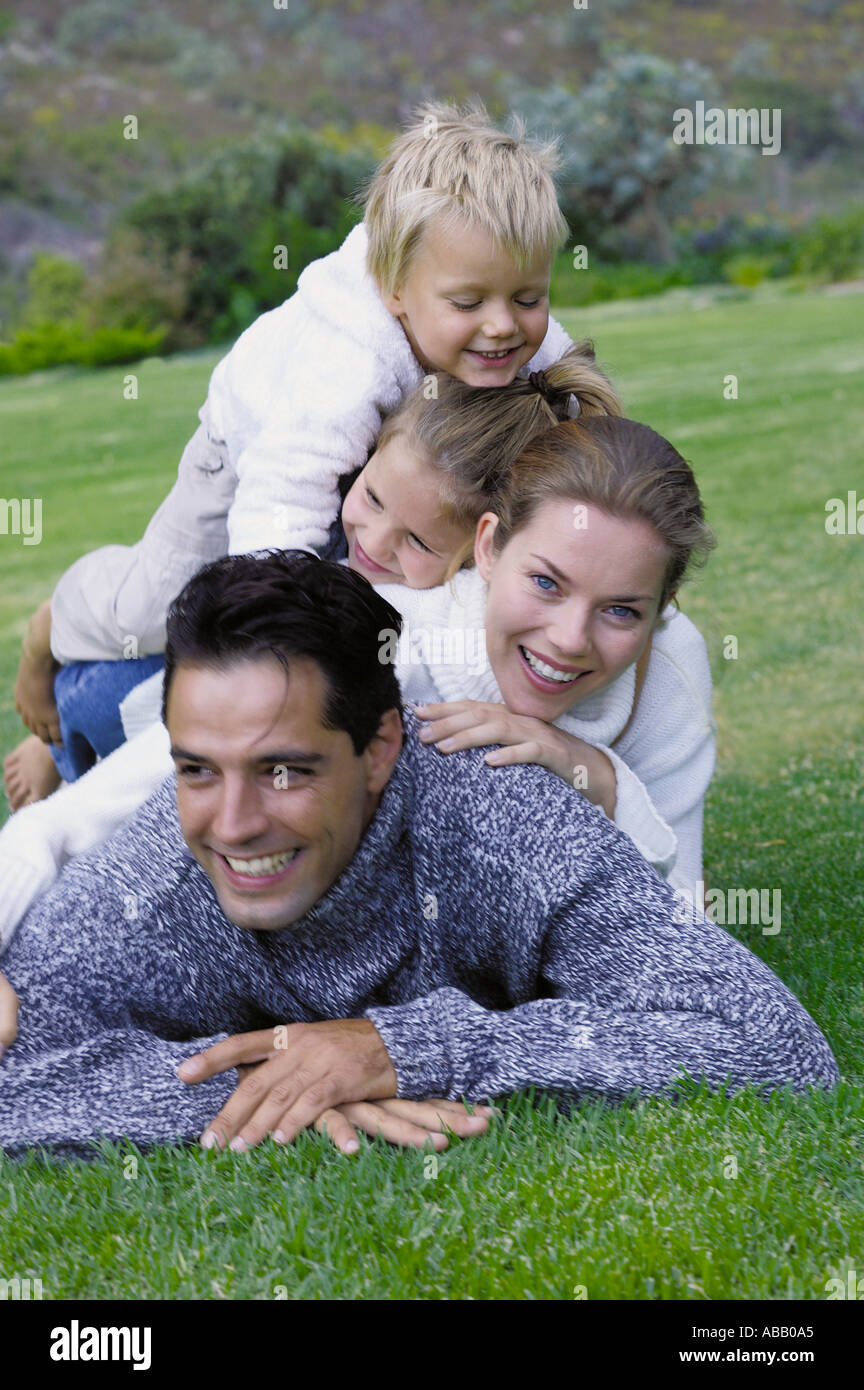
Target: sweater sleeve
{"type": "Point", "coordinates": [316, 376]}
{"type": "Point", "coordinates": [38, 840]}
{"type": "Point", "coordinates": [637, 816]}
{"type": "Point", "coordinates": [91, 978]}
{"type": "Point", "coordinates": [118, 1084]}
{"type": "Point", "coordinates": [634, 989]}
{"type": "Point", "coordinates": [123, 591]}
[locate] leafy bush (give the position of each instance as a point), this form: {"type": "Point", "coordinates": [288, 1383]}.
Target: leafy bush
{"type": "Point", "coordinates": [747, 271]}
{"type": "Point", "coordinates": [137, 289]}
{"type": "Point", "coordinates": [288, 189]}
{"type": "Point", "coordinates": [53, 344]}
{"type": "Point", "coordinates": [625, 280]}
{"type": "Point", "coordinates": [832, 248]}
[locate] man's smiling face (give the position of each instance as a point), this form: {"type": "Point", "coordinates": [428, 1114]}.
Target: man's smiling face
{"type": "Point", "coordinates": [271, 803]}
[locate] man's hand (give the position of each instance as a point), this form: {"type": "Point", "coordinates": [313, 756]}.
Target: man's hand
{"type": "Point", "coordinates": [308, 1068]}
{"type": "Point", "coordinates": [8, 1015]}
{"type": "Point", "coordinates": [34, 686]}
{"type": "Point", "coordinates": [408, 1123]}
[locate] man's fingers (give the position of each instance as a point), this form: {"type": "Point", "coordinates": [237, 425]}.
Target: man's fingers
{"type": "Point", "coordinates": [438, 1115]}
{"type": "Point", "coordinates": [339, 1130]}
{"type": "Point", "coordinates": [373, 1118]}
{"type": "Point", "coordinates": [241, 1048]}
{"type": "Point", "coordinates": [8, 1014]}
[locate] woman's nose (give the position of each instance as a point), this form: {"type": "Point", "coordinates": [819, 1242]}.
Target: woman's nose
{"type": "Point", "coordinates": [571, 634]}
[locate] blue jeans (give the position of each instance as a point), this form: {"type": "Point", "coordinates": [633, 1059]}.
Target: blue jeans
{"type": "Point", "coordinates": [88, 696]}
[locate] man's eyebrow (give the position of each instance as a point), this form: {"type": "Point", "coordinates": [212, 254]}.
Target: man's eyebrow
{"type": "Point", "coordinates": [612, 598]}
{"type": "Point", "coordinates": [296, 757]}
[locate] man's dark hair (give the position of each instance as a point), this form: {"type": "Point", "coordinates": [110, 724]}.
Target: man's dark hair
{"type": "Point", "coordinates": [288, 603]}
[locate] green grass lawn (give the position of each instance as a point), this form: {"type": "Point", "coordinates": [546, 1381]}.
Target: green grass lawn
{"type": "Point", "coordinates": [705, 1198]}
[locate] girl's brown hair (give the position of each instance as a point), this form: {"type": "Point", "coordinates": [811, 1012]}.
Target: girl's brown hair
{"type": "Point", "coordinates": [623, 468]}
{"type": "Point", "coordinates": [471, 435]}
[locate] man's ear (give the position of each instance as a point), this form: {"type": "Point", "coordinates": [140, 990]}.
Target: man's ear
{"type": "Point", "coordinates": [383, 751]}
{"type": "Point", "coordinates": [484, 555]}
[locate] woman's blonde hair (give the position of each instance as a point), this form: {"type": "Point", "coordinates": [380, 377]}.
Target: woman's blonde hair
{"type": "Point", "coordinates": [621, 467]}
{"type": "Point", "coordinates": [471, 435]}
{"type": "Point", "coordinates": [453, 165]}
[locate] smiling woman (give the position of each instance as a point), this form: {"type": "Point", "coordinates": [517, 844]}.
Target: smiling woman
{"type": "Point", "coordinates": [588, 670]}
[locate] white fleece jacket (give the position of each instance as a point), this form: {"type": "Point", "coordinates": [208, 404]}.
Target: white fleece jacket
{"type": "Point", "coordinates": [663, 762]}
{"type": "Point", "coordinates": [297, 402]}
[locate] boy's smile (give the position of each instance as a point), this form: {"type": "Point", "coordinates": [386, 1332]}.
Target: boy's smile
{"type": "Point", "coordinates": [467, 309]}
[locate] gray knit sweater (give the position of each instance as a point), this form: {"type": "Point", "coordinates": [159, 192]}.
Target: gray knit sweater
{"type": "Point", "coordinates": [494, 925]}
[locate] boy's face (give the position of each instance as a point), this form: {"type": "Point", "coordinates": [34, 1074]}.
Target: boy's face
{"type": "Point", "coordinates": [468, 310]}
{"type": "Point", "coordinates": [396, 530]}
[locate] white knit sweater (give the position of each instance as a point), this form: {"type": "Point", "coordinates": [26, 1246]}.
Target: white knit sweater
{"type": "Point", "coordinates": [297, 403]}
{"type": "Point", "coordinates": [300, 398]}
{"type": "Point", "coordinates": [663, 762]}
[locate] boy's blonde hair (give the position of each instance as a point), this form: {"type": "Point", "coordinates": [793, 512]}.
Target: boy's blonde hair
{"type": "Point", "coordinates": [452, 164]}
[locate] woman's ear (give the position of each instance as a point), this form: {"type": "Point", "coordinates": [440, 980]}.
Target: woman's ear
{"type": "Point", "coordinates": [484, 554]}
{"type": "Point", "coordinates": [658, 621]}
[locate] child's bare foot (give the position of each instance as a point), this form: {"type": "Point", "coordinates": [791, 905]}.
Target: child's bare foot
{"type": "Point", "coordinates": [29, 773]}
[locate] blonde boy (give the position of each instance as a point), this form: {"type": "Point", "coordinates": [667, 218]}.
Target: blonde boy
{"type": "Point", "coordinates": [448, 271]}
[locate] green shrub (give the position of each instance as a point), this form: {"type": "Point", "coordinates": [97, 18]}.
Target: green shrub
{"type": "Point", "coordinates": [55, 287]}
{"type": "Point", "coordinates": [42, 345]}
{"type": "Point", "coordinates": [290, 189]}
{"type": "Point", "coordinates": [109, 345]}
{"type": "Point", "coordinates": [747, 271]}
{"type": "Point", "coordinates": [832, 248]}
{"type": "Point", "coordinates": [624, 280]}
{"type": "Point", "coordinates": [53, 344]}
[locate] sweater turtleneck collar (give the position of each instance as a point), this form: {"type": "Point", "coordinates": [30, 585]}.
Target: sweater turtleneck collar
{"type": "Point", "coordinates": [460, 606]}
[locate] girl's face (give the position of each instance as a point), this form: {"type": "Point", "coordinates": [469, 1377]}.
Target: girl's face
{"type": "Point", "coordinates": [573, 598]}
{"type": "Point", "coordinates": [394, 523]}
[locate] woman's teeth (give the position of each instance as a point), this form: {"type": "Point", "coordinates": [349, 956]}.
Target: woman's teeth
{"type": "Point", "coordinates": [549, 673]}
{"type": "Point", "coordinates": [260, 868]}
{"type": "Point", "coordinates": [493, 355]}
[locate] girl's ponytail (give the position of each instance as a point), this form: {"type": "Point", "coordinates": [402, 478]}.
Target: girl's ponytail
{"type": "Point", "coordinates": [471, 435]}
{"type": "Point", "coordinates": [577, 374]}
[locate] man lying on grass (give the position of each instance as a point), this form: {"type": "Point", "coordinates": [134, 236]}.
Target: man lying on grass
{"type": "Point", "coordinates": [366, 918]}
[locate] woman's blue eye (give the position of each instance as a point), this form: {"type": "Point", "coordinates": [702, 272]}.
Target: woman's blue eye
{"type": "Point", "coordinates": [623, 609]}
{"type": "Point", "coordinates": [542, 580]}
